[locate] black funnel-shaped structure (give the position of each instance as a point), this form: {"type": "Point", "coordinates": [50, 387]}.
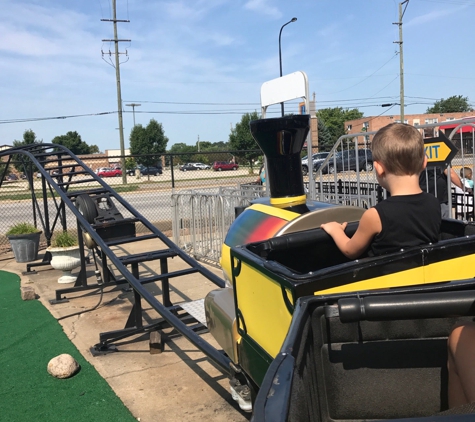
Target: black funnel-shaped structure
{"type": "Point", "coordinates": [281, 139]}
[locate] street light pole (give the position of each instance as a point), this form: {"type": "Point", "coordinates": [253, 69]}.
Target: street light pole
{"type": "Point", "coordinates": [133, 105]}
{"type": "Point", "coordinates": [280, 56]}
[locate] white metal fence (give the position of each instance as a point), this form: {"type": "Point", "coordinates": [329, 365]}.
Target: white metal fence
{"type": "Point", "coordinates": [201, 219]}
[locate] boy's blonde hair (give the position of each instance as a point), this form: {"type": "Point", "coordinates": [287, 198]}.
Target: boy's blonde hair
{"type": "Point", "coordinates": [399, 148]}
{"type": "Point", "coordinates": [466, 173]}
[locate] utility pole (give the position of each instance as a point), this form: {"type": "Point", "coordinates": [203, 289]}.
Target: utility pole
{"type": "Point", "coordinates": [133, 105]}
{"type": "Point", "coordinates": [198, 143]}
{"type": "Point", "coordinates": [401, 58]}
{"type": "Point", "coordinates": [116, 41]}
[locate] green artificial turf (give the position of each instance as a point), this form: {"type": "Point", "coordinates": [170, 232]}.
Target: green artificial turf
{"type": "Point", "coordinates": [29, 338]}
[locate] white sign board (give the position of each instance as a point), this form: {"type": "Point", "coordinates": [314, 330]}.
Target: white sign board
{"type": "Point", "coordinates": [286, 88]}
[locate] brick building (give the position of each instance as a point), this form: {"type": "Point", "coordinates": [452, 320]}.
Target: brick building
{"type": "Point", "coordinates": [370, 123]}
{"type": "Point", "coordinates": [464, 141]}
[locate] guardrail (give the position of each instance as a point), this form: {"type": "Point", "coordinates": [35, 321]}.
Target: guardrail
{"type": "Point", "coordinates": [358, 194]}
{"type": "Point", "coordinates": [201, 219]}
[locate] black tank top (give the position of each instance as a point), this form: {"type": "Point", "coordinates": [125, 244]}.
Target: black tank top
{"type": "Point", "coordinates": [406, 220]}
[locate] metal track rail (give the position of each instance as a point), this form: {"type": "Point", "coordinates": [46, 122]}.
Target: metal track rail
{"type": "Point", "coordinates": [63, 180]}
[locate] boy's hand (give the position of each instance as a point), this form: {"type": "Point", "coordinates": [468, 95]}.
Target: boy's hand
{"type": "Point", "coordinates": [334, 227]}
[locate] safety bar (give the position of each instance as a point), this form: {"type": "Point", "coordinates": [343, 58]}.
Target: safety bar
{"type": "Point", "coordinates": [407, 306]}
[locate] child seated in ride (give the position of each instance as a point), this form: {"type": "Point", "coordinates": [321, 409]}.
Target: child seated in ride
{"type": "Point", "coordinates": [409, 217]}
{"type": "Point", "coordinates": [466, 176]}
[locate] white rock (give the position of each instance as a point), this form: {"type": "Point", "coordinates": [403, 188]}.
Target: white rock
{"type": "Point", "coordinates": [27, 293]}
{"type": "Point", "coordinates": [63, 366]}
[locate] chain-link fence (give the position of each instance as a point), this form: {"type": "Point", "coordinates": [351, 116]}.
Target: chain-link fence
{"type": "Point", "coordinates": [148, 188]}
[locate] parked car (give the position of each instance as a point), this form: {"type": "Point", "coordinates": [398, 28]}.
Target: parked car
{"type": "Point", "coordinates": [346, 160]}
{"type": "Point", "coordinates": [202, 166]}
{"type": "Point", "coordinates": [189, 166]}
{"type": "Point", "coordinates": [109, 172]}
{"type": "Point", "coordinates": [101, 169]}
{"type": "Point", "coordinates": [145, 171]}
{"type": "Point", "coordinates": [317, 159]}
{"type": "Point", "coordinates": [223, 165]}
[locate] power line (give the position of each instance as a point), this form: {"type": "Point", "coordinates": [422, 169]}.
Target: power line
{"type": "Point", "coordinates": [258, 104]}
{"type": "Point", "coordinates": [367, 77]}
{"type": "Point", "coordinates": [176, 102]}
{"type": "Point", "coordinates": [184, 112]}
{"type": "Point", "coordinates": [39, 119]}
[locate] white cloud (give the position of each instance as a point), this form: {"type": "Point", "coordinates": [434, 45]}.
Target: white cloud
{"type": "Point", "coordinates": [37, 31]}
{"type": "Point", "coordinates": [187, 11]}
{"type": "Point", "coordinates": [263, 7]}
{"type": "Point", "coordinates": [433, 16]}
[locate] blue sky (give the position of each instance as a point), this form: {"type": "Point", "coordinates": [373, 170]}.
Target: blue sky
{"type": "Point", "coordinates": [197, 65]}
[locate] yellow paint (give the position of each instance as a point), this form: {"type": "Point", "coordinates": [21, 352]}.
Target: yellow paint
{"type": "Point", "coordinates": [437, 152]}
{"type": "Point", "coordinates": [288, 202]}
{"type": "Point", "coordinates": [225, 260]}
{"type": "Point", "coordinates": [400, 279]}
{"type": "Point", "coordinates": [275, 212]}
{"type": "Point", "coordinates": [260, 301]}
{"type": "Point", "coordinates": [453, 269]}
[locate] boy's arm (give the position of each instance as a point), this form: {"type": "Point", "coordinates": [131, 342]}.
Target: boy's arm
{"type": "Point", "coordinates": [369, 226]}
{"type": "Point", "coordinates": [454, 178]}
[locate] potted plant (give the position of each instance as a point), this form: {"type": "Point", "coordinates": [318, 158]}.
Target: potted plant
{"type": "Point", "coordinates": [25, 240]}
{"type": "Point", "coordinates": [65, 255]}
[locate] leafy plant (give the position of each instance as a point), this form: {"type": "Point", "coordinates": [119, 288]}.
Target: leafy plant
{"type": "Point", "coordinates": [453, 104]}
{"type": "Point", "coordinates": [22, 228]}
{"type": "Point", "coordinates": [64, 240]}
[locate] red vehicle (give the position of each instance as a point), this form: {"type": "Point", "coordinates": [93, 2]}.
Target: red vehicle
{"type": "Point", "coordinates": [109, 172]}
{"type": "Point", "coordinates": [223, 165]}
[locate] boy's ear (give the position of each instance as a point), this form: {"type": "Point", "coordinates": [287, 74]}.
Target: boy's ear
{"type": "Point", "coordinates": [424, 163]}
{"type": "Point", "coordinates": [380, 170]}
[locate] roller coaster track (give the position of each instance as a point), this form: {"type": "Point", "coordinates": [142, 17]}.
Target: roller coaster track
{"type": "Point", "coordinates": [71, 183]}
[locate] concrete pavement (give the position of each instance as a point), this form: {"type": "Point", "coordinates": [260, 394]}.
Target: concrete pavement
{"type": "Point", "coordinates": [180, 384]}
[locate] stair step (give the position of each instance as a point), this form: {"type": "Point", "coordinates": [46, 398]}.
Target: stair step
{"type": "Point", "coordinates": [75, 182]}
{"type": "Point", "coordinates": [87, 192]}
{"type": "Point", "coordinates": [196, 309]}
{"type": "Point", "coordinates": [147, 256]}
{"type": "Point", "coordinates": [131, 239]}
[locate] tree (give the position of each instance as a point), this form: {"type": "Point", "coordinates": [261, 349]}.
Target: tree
{"type": "Point", "coordinates": [184, 152]}
{"type": "Point", "coordinates": [454, 104]}
{"type": "Point", "coordinates": [325, 142]}
{"type": "Point", "coordinates": [130, 163]}
{"type": "Point", "coordinates": [335, 118]}
{"type": "Point", "coordinates": [148, 142]}
{"type": "Point", "coordinates": [94, 149]}
{"type": "Point", "coordinates": [220, 146]}
{"type": "Point", "coordinates": [73, 141]}
{"type": "Point", "coordinates": [241, 139]}
{"type": "Point", "coordinates": [29, 137]}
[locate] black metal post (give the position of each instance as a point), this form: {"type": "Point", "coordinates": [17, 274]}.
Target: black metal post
{"type": "Point", "coordinates": [280, 56]}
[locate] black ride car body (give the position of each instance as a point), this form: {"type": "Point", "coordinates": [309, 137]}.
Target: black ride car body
{"type": "Point", "coordinates": [360, 354]}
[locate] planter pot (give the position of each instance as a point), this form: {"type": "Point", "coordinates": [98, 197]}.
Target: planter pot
{"type": "Point", "coordinates": [66, 260]}
{"type": "Point", "coordinates": [25, 246]}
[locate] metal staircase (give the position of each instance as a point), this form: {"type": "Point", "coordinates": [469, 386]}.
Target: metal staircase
{"type": "Point", "coordinates": [107, 223]}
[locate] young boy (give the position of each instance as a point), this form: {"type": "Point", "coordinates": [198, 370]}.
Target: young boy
{"type": "Point", "coordinates": [409, 217]}
{"type": "Point", "coordinates": [466, 176]}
